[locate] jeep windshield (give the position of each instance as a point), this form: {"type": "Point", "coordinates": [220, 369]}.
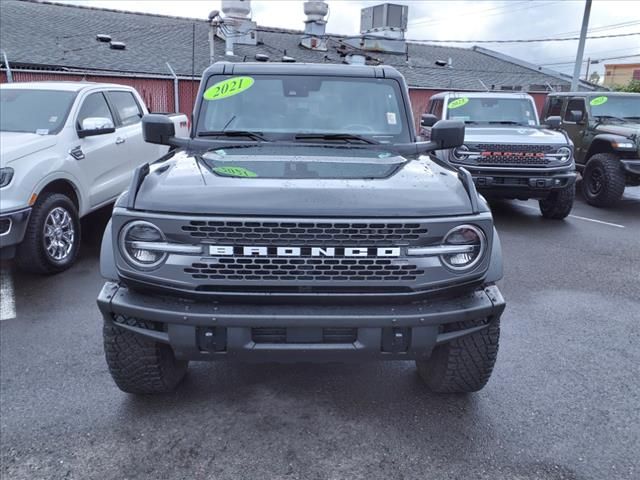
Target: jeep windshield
{"type": "Point", "coordinates": [616, 108]}
{"type": "Point", "coordinates": [492, 111]}
{"type": "Point", "coordinates": [34, 111]}
{"type": "Point", "coordinates": [311, 109]}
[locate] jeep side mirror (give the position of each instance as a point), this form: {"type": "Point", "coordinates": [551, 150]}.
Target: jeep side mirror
{"type": "Point", "coordinates": [576, 116]}
{"type": "Point", "coordinates": [428, 120]}
{"type": "Point", "coordinates": [157, 128]}
{"type": "Point", "coordinates": [553, 122]}
{"type": "Point", "coordinates": [447, 134]}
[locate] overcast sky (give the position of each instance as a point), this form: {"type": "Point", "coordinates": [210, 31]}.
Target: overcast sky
{"type": "Point", "coordinates": [455, 20]}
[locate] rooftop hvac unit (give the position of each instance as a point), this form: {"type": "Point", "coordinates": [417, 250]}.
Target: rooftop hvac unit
{"type": "Point", "coordinates": [387, 16]}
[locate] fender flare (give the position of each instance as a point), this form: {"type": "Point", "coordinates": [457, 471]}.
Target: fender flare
{"type": "Point", "coordinates": [495, 271]}
{"type": "Point", "coordinates": [107, 257]}
{"type": "Point", "coordinates": [608, 138]}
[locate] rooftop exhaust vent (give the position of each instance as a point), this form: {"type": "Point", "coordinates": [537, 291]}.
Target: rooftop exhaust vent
{"type": "Point", "coordinates": [237, 27]}
{"type": "Point", "coordinates": [261, 57]}
{"type": "Point", "coordinates": [315, 26]}
{"type": "Point", "coordinates": [103, 38]}
{"type": "Point", "coordinates": [288, 59]}
{"type": "Point", "coordinates": [117, 45]}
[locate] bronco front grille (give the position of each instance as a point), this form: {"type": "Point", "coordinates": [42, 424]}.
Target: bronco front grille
{"type": "Point", "coordinates": [306, 269]}
{"type": "Point", "coordinates": [306, 233]}
{"type": "Point", "coordinates": [513, 154]}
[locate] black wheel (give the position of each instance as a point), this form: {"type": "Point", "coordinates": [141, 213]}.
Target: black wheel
{"type": "Point", "coordinates": [559, 203]}
{"type": "Point", "coordinates": [463, 365]}
{"type": "Point", "coordinates": [140, 365]}
{"type": "Point", "coordinates": [52, 239]}
{"type": "Point", "coordinates": [603, 180]}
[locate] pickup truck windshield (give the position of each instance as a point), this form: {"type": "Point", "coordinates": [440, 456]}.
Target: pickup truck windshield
{"type": "Point", "coordinates": [498, 111]}
{"type": "Point", "coordinates": [289, 106]}
{"type": "Point", "coordinates": [622, 107]}
{"type": "Point", "coordinates": [34, 111]}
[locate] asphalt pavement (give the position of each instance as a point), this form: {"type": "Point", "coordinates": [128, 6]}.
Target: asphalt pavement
{"type": "Point", "coordinates": [563, 402]}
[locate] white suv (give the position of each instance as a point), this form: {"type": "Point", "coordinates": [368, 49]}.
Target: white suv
{"type": "Point", "coordinates": [66, 149]}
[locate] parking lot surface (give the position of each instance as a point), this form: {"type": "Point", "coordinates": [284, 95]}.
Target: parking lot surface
{"type": "Point", "coordinates": [563, 401]}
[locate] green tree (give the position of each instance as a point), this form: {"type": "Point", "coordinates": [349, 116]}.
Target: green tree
{"type": "Point", "coordinates": [632, 86]}
{"type": "Point", "coordinates": [594, 77]}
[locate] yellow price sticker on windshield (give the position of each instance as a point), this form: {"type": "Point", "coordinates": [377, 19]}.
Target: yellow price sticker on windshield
{"type": "Point", "coordinates": [235, 172]}
{"type": "Point", "coordinates": [598, 101]}
{"type": "Point", "coordinates": [458, 102]}
{"type": "Point", "coordinates": [228, 88]}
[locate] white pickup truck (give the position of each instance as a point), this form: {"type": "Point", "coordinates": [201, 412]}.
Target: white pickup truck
{"type": "Point", "coordinates": [66, 149]}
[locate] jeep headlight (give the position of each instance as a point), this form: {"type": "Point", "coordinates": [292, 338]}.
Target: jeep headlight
{"type": "Point", "coordinates": [137, 241]}
{"type": "Point", "coordinates": [468, 244]}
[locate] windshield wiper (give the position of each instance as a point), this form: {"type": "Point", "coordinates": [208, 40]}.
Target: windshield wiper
{"type": "Point", "coordinates": [506, 122]}
{"type": "Point", "coordinates": [347, 137]}
{"type": "Point", "coordinates": [632, 118]}
{"type": "Point", "coordinates": [609, 117]}
{"type": "Point", "coordinates": [234, 133]}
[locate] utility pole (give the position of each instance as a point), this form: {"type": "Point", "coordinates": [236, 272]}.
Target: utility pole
{"type": "Point", "coordinates": [586, 75]}
{"type": "Point", "coordinates": [580, 53]}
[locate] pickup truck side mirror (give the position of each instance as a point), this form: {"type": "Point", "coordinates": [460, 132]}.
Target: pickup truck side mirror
{"type": "Point", "coordinates": [157, 128]}
{"type": "Point", "coordinates": [553, 122]}
{"type": "Point", "coordinates": [428, 120]}
{"type": "Point", "coordinates": [92, 126]}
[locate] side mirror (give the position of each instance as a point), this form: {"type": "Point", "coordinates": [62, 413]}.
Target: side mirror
{"type": "Point", "coordinates": [553, 122]}
{"type": "Point", "coordinates": [576, 116]}
{"type": "Point", "coordinates": [158, 129]}
{"type": "Point", "coordinates": [447, 134]}
{"type": "Point", "coordinates": [428, 120]}
{"type": "Point", "coordinates": [96, 126]}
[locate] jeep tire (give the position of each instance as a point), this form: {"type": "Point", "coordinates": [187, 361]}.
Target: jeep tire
{"type": "Point", "coordinates": [603, 180]}
{"type": "Point", "coordinates": [463, 365]}
{"type": "Point", "coordinates": [138, 364]}
{"type": "Point", "coordinates": [52, 239]}
{"type": "Point", "coordinates": [559, 203]}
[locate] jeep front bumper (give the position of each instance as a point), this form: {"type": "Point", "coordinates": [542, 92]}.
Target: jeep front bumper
{"type": "Point", "coordinates": [297, 333]}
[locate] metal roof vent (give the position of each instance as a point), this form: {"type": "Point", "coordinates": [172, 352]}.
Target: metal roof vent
{"type": "Point", "coordinates": [386, 20]}
{"type": "Point", "coordinates": [315, 26]}
{"type": "Point", "coordinates": [103, 38]}
{"type": "Point", "coordinates": [261, 57]}
{"type": "Point", "coordinates": [288, 59]}
{"type": "Point", "coordinates": [117, 45]}
{"type": "Point", "coordinates": [237, 27]}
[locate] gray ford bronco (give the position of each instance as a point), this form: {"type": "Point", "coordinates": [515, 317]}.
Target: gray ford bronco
{"type": "Point", "coordinates": [301, 221]}
{"type": "Point", "coordinates": [508, 152]}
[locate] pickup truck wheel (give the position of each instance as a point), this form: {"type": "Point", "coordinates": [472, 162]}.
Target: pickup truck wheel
{"type": "Point", "coordinates": [140, 365]}
{"type": "Point", "coordinates": [463, 365]}
{"type": "Point", "coordinates": [603, 180]}
{"type": "Point", "coordinates": [559, 203]}
{"type": "Point", "coordinates": [52, 239]}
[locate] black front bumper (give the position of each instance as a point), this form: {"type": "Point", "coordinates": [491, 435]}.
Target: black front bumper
{"type": "Point", "coordinates": [520, 183]}
{"type": "Point", "coordinates": [210, 331]}
{"type": "Point", "coordinates": [631, 166]}
{"type": "Point", "coordinates": [12, 228]}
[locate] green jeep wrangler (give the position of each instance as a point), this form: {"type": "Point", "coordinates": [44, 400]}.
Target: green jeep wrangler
{"type": "Point", "coordinates": [605, 130]}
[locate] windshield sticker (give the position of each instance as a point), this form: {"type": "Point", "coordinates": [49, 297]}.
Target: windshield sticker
{"type": "Point", "coordinates": [458, 102]}
{"type": "Point", "coordinates": [598, 101]}
{"type": "Point", "coordinates": [532, 123]}
{"type": "Point", "coordinates": [53, 119]}
{"type": "Point", "coordinates": [42, 131]}
{"type": "Point", "coordinates": [391, 118]}
{"type": "Point", "coordinates": [384, 155]}
{"type": "Point", "coordinates": [235, 172]}
{"type": "Point", "coordinates": [228, 88]}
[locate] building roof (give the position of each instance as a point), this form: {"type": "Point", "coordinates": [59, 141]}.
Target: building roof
{"type": "Point", "coordinates": [53, 36]}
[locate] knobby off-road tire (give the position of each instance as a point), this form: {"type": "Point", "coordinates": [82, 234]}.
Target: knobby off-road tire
{"type": "Point", "coordinates": [463, 365]}
{"type": "Point", "coordinates": [54, 218]}
{"type": "Point", "coordinates": [603, 180]}
{"type": "Point", "coordinates": [559, 203]}
{"type": "Point", "coordinates": [138, 364]}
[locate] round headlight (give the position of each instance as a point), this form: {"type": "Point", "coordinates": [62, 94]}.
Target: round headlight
{"type": "Point", "coordinates": [564, 154]}
{"type": "Point", "coordinates": [460, 153]}
{"type": "Point", "coordinates": [132, 237]}
{"type": "Point", "coordinates": [473, 244]}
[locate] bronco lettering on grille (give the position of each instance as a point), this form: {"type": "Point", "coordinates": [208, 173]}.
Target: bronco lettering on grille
{"type": "Point", "coordinates": [260, 251]}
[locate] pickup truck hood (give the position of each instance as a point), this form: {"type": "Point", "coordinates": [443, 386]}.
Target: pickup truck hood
{"type": "Point", "coordinates": [627, 130]}
{"type": "Point", "coordinates": [513, 134]}
{"type": "Point", "coordinates": [15, 145]}
{"type": "Point", "coordinates": [302, 181]}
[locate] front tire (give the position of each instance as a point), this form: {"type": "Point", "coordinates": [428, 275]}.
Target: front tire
{"type": "Point", "coordinates": [463, 365]}
{"type": "Point", "coordinates": [52, 239]}
{"type": "Point", "coordinates": [559, 203]}
{"type": "Point", "coordinates": [138, 364]}
{"type": "Point", "coordinates": [603, 180]}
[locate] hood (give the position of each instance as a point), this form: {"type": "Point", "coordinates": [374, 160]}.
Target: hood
{"type": "Point", "coordinates": [513, 134]}
{"type": "Point", "coordinates": [302, 181]}
{"type": "Point", "coordinates": [15, 145]}
{"type": "Point", "coordinates": [628, 130]}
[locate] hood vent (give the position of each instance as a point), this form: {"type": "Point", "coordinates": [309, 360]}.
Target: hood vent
{"type": "Point", "coordinates": [315, 26]}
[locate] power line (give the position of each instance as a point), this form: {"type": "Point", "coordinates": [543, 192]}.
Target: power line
{"type": "Point", "coordinates": [436, 21]}
{"type": "Point", "coordinates": [529, 40]}
{"type": "Point", "coordinates": [595, 59]}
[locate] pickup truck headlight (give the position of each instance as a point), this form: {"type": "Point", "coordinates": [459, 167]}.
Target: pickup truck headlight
{"type": "Point", "coordinates": [6, 174]}
{"type": "Point", "coordinates": [136, 245]}
{"type": "Point", "coordinates": [471, 244]}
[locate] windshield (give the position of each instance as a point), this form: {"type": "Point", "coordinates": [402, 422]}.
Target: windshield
{"type": "Point", "coordinates": [35, 111]}
{"type": "Point", "coordinates": [281, 107]}
{"type": "Point", "coordinates": [622, 107]}
{"type": "Point", "coordinates": [508, 111]}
